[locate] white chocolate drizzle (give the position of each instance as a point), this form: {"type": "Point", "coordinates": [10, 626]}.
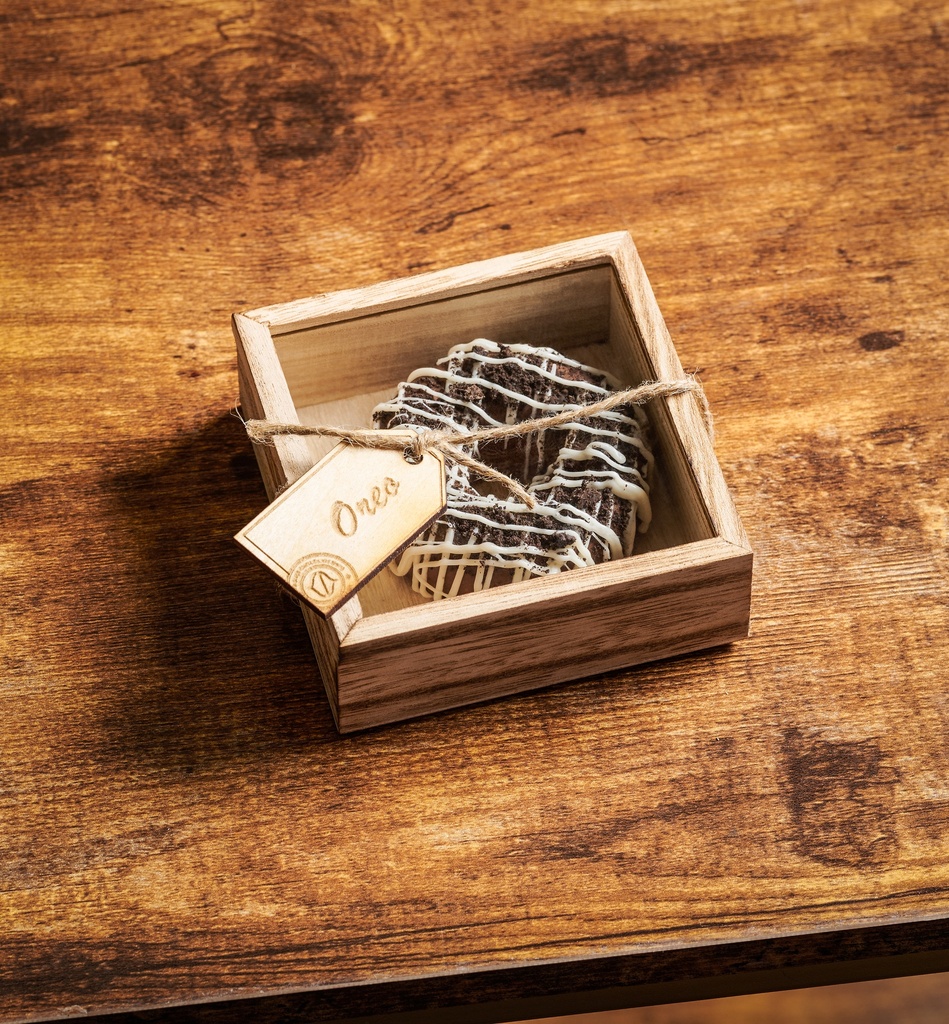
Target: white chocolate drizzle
{"type": "Point", "coordinates": [588, 477]}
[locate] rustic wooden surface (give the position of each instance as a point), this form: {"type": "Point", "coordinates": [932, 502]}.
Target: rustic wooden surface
{"type": "Point", "coordinates": [180, 821]}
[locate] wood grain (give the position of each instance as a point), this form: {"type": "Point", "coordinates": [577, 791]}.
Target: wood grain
{"type": "Point", "coordinates": [180, 822]}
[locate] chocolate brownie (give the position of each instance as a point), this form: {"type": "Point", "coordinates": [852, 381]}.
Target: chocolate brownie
{"type": "Point", "coordinates": [589, 477]}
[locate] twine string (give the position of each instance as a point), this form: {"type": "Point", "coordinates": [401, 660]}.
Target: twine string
{"type": "Point", "coordinates": [449, 442]}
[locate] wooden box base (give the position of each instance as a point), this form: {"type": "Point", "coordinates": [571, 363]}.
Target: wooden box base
{"type": "Point", "coordinates": [389, 654]}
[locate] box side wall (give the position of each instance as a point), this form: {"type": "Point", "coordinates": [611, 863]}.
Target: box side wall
{"type": "Point", "coordinates": [364, 354]}
{"type": "Point", "coordinates": [268, 460]}
{"type": "Point", "coordinates": [699, 489]}
{"type": "Point", "coordinates": [262, 399]}
{"type": "Point", "coordinates": [637, 343]}
{"type": "Point", "coordinates": [578, 635]}
{"type": "Point", "coordinates": [512, 268]}
{"type": "Point", "coordinates": [326, 648]}
{"type": "Point", "coordinates": [263, 387]}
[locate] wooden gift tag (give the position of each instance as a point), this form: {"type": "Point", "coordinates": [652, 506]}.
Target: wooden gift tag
{"type": "Point", "coordinates": [331, 531]}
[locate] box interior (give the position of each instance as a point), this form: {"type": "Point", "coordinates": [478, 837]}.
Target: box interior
{"type": "Point", "coordinates": [338, 372]}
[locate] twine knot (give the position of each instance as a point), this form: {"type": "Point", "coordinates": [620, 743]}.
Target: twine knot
{"type": "Point", "coordinates": [415, 450]}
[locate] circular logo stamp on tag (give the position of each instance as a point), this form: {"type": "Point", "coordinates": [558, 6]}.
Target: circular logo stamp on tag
{"type": "Point", "coordinates": [322, 577]}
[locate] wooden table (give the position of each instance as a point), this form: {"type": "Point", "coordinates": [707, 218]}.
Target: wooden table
{"type": "Point", "coordinates": [181, 824]}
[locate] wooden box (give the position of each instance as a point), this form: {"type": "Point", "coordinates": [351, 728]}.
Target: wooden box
{"type": "Point", "coordinates": [389, 654]}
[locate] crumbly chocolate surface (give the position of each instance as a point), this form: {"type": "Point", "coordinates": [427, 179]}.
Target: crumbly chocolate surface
{"type": "Point", "coordinates": [589, 478]}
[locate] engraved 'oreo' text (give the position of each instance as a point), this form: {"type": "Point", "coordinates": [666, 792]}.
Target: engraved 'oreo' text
{"type": "Point", "coordinates": [346, 518]}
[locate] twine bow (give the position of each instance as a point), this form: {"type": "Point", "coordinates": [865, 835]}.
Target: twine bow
{"type": "Point", "coordinates": [448, 441]}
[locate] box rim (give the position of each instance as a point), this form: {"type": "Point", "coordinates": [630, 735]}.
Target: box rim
{"type": "Point", "coordinates": [260, 327]}
{"type": "Point", "coordinates": [439, 285]}
{"type": "Point", "coordinates": [469, 608]}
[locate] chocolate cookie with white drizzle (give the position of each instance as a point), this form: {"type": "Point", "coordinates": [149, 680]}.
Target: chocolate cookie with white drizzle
{"type": "Point", "coordinates": [589, 478]}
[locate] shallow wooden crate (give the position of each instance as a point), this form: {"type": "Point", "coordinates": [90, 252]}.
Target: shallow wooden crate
{"type": "Point", "coordinates": [389, 654]}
